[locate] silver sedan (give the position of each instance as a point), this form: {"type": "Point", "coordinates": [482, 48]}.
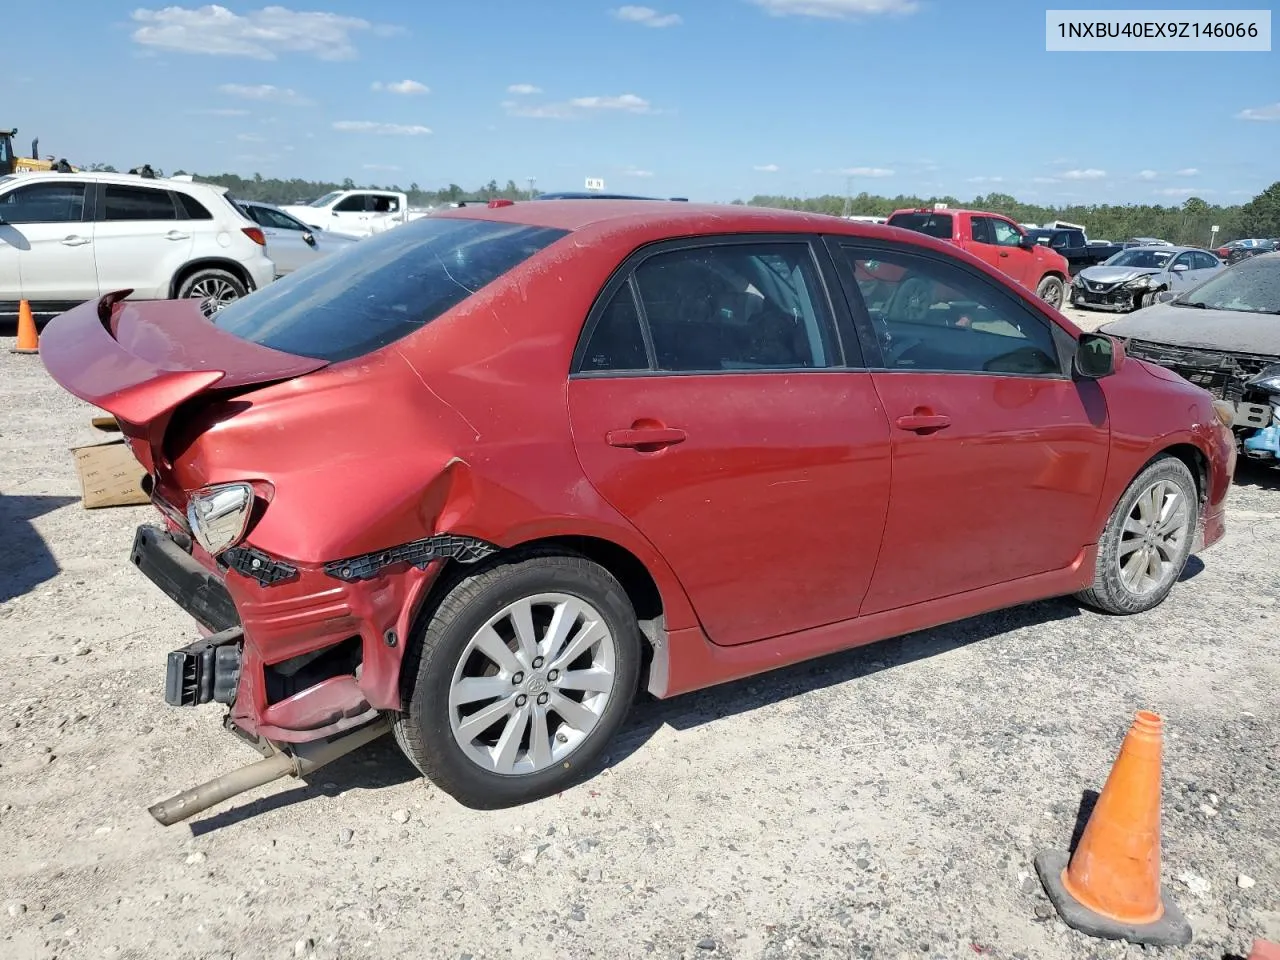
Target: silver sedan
{"type": "Point", "coordinates": [290, 242]}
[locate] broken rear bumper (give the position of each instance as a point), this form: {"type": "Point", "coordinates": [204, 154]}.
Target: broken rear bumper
{"type": "Point", "coordinates": [298, 656]}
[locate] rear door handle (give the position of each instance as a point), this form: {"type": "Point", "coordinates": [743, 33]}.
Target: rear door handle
{"type": "Point", "coordinates": [923, 421]}
{"type": "Point", "coordinates": [1004, 253]}
{"type": "Point", "coordinates": [74, 241]}
{"type": "Point", "coordinates": [176, 235]}
{"type": "Point", "coordinates": [645, 437]}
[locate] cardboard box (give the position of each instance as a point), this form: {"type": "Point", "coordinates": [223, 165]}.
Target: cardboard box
{"type": "Point", "coordinates": [110, 475]}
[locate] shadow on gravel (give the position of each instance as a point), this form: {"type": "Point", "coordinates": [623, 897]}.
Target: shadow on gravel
{"type": "Point", "coordinates": [1088, 800]}
{"type": "Point", "coordinates": [381, 764]}
{"type": "Point", "coordinates": [742, 696]}
{"type": "Point", "coordinates": [26, 561]}
{"type": "Point", "coordinates": [1255, 476]}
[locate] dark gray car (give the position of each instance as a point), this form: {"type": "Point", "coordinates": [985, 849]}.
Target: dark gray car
{"type": "Point", "coordinates": [1223, 335]}
{"type": "Point", "coordinates": [1133, 278]}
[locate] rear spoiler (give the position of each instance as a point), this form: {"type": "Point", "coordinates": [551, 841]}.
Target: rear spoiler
{"type": "Point", "coordinates": [89, 363]}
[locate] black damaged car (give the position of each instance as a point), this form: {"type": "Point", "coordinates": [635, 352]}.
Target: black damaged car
{"type": "Point", "coordinates": [1223, 335]}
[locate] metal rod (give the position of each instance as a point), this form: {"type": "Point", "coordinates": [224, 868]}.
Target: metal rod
{"type": "Point", "coordinates": [306, 759]}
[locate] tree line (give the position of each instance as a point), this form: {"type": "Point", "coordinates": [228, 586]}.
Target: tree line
{"type": "Point", "coordinates": [1188, 222]}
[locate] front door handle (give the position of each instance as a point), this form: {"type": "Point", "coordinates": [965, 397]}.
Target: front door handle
{"type": "Point", "coordinates": [641, 437]}
{"type": "Point", "coordinates": [1004, 253]}
{"type": "Point", "coordinates": [74, 241]}
{"type": "Point", "coordinates": [920, 422]}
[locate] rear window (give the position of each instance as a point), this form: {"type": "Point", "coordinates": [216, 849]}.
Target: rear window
{"type": "Point", "coordinates": [382, 288]}
{"type": "Point", "coordinates": [932, 224]}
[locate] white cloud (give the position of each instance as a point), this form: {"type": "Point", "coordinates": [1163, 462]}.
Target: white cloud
{"type": "Point", "coordinates": [385, 129]}
{"type": "Point", "coordinates": [250, 138]}
{"type": "Point", "coordinates": [986, 180]}
{"type": "Point", "coordinates": [647, 16]}
{"type": "Point", "coordinates": [836, 9]}
{"type": "Point", "coordinates": [1147, 174]}
{"type": "Point", "coordinates": [875, 172]}
{"type": "Point", "coordinates": [633, 172]}
{"type": "Point", "coordinates": [407, 87]}
{"type": "Point", "coordinates": [1090, 173]}
{"type": "Point", "coordinates": [1183, 192]}
{"type": "Point", "coordinates": [523, 89]}
{"type": "Point", "coordinates": [387, 167]}
{"type": "Point", "coordinates": [258, 34]}
{"type": "Point", "coordinates": [222, 112]}
{"type": "Point", "coordinates": [579, 107]}
{"type": "Point", "coordinates": [766, 168]}
{"type": "Point", "coordinates": [1187, 172]}
{"type": "Point", "coordinates": [1269, 112]}
{"type": "Point", "coordinates": [265, 92]}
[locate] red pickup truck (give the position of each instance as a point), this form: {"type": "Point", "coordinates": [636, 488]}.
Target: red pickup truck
{"type": "Point", "coordinates": [998, 241]}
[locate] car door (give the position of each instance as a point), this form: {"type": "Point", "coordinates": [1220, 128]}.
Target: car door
{"type": "Point", "coordinates": [1181, 272]}
{"type": "Point", "coordinates": [290, 242]}
{"type": "Point", "coordinates": [711, 407]}
{"type": "Point", "coordinates": [139, 241]}
{"type": "Point", "coordinates": [46, 245]}
{"type": "Point", "coordinates": [998, 454]}
{"type": "Point", "coordinates": [1203, 266]}
{"type": "Point", "coordinates": [981, 242]}
{"type": "Point", "coordinates": [1011, 258]}
{"type": "Point", "coordinates": [351, 212]}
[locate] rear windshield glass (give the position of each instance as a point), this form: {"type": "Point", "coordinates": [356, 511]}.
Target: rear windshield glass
{"type": "Point", "coordinates": [383, 288]}
{"type": "Point", "coordinates": [931, 224]}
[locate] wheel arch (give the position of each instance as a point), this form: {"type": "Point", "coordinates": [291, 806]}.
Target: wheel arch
{"type": "Point", "coordinates": [206, 263]}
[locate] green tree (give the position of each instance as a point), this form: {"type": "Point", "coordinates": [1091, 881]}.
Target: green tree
{"type": "Point", "coordinates": [1260, 217]}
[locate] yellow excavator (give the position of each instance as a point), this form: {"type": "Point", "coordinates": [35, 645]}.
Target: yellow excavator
{"type": "Point", "coordinates": [10, 162]}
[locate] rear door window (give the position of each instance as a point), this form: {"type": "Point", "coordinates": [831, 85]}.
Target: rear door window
{"type": "Point", "coordinates": [384, 288]}
{"type": "Point", "coordinates": [930, 224]}
{"type": "Point", "coordinates": [138, 203]}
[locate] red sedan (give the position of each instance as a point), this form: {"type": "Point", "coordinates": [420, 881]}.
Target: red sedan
{"type": "Point", "coordinates": [485, 476]}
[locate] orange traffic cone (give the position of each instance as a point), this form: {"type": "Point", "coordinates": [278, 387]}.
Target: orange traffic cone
{"type": "Point", "coordinates": [28, 339]}
{"type": "Point", "coordinates": [1264, 950]}
{"type": "Point", "coordinates": [1111, 886]}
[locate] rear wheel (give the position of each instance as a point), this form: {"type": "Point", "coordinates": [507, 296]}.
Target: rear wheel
{"type": "Point", "coordinates": [213, 287]}
{"type": "Point", "coordinates": [1051, 291]}
{"type": "Point", "coordinates": [522, 676]}
{"type": "Point", "coordinates": [1147, 541]}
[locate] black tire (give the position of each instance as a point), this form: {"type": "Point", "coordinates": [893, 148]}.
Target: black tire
{"type": "Point", "coordinates": [1109, 592]}
{"type": "Point", "coordinates": [423, 728]}
{"type": "Point", "coordinates": [214, 286]}
{"type": "Point", "coordinates": [1052, 291]}
{"type": "Point", "coordinates": [1145, 299]}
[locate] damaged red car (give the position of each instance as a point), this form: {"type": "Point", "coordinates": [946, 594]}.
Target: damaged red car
{"type": "Point", "coordinates": [488, 475]}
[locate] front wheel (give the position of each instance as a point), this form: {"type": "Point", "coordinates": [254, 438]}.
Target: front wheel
{"type": "Point", "coordinates": [213, 287]}
{"type": "Point", "coordinates": [523, 674]}
{"type": "Point", "coordinates": [1147, 540]}
{"type": "Point", "coordinates": [1051, 291]}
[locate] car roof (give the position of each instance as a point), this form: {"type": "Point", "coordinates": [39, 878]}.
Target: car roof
{"type": "Point", "coordinates": [124, 179]}
{"type": "Point", "coordinates": [677, 215]}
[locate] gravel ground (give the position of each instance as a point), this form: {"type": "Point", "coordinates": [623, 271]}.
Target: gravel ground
{"type": "Point", "coordinates": [885, 802]}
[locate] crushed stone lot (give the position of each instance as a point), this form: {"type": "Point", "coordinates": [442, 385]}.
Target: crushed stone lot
{"type": "Point", "coordinates": [886, 802]}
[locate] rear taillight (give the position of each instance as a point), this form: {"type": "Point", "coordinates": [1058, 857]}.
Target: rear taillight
{"type": "Point", "coordinates": [255, 234]}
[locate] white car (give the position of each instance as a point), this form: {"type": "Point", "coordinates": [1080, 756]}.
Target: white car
{"type": "Point", "coordinates": [290, 242]}
{"type": "Point", "coordinates": [70, 237]}
{"type": "Point", "coordinates": [359, 213]}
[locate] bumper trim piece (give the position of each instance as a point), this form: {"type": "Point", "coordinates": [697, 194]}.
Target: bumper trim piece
{"type": "Point", "coordinates": [206, 670]}
{"type": "Point", "coordinates": [183, 579]}
{"type": "Point", "coordinates": [253, 563]}
{"type": "Point", "coordinates": [417, 553]}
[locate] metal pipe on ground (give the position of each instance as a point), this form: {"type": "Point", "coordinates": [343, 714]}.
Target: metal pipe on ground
{"type": "Point", "coordinates": [305, 759]}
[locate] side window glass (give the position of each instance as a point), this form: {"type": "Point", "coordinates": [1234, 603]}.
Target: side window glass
{"type": "Point", "coordinates": [981, 227]}
{"type": "Point", "coordinates": [138, 203]}
{"type": "Point", "coordinates": [931, 315]}
{"type": "Point", "coordinates": [617, 342]}
{"type": "Point", "coordinates": [1006, 235]}
{"type": "Point", "coordinates": [385, 205]}
{"type": "Point", "coordinates": [1204, 261]}
{"type": "Point", "coordinates": [352, 204]}
{"type": "Point", "coordinates": [60, 202]}
{"type": "Point", "coordinates": [194, 209]}
{"type": "Point", "coordinates": [735, 307]}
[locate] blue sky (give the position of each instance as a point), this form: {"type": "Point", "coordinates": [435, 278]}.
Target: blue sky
{"type": "Point", "coordinates": [711, 99]}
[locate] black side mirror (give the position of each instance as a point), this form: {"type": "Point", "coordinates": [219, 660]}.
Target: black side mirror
{"type": "Point", "coordinates": [1027, 243]}
{"type": "Point", "coordinates": [1095, 356]}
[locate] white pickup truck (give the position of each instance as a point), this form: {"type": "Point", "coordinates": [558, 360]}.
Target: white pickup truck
{"type": "Point", "coordinates": [356, 213]}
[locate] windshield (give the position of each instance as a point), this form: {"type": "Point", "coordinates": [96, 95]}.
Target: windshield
{"type": "Point", "coordinates": [326, 199]}
{"type": "Point", "coordinates": [1251, 286]}
{"type": "Point", "coordinates": [383, 288]}
{"type": "Point", "coordinates": [1140, 257]}
{"type": "Point", "coordinates": [931, 224]}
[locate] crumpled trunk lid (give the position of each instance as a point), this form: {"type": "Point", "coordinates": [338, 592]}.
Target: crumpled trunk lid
{"type": "Point", "coordinates": [142, 360]}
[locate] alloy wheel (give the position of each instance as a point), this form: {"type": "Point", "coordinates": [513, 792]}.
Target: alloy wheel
{"type": "Point", "coordinates": [1152, 537]}
{"type": "Point", "coordinates": [532, 684]}
{"type": "Point", "coordinates": [214, 293]}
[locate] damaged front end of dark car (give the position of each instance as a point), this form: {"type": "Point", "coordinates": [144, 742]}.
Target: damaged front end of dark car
{"type": "Point", "coordinates": [1224, 336]}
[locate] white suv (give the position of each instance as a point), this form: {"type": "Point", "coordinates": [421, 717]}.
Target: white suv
{"type": "Point", "coordinates": [70, 237]}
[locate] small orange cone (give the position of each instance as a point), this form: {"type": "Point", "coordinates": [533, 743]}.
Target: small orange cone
{"type": "Point", "coordinates": [1111, 886]}
{"type": "Point", "coordinates": [28, 339]}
